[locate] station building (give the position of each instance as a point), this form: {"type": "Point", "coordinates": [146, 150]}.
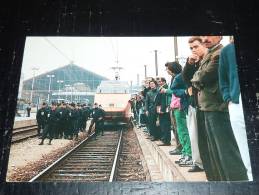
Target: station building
{"type": "Point", "coordinates": [69, 83]}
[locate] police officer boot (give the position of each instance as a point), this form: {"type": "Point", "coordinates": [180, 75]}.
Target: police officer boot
{"type": "Point", "coordinates": [41, 143]}
{"type": "Point", "coordinates": [49, 142]}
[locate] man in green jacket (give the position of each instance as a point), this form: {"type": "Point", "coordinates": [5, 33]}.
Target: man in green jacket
{"type": "Point", "coordinates": [218, 148]}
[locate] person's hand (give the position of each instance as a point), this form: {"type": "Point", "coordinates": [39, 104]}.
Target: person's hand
{"type": "Point", "coordinates": [163, 90]}
{"type": "Point", "coordinates": [189, 91]}
{"type": "Point", "coordinates": [193, 58]}
{"type": "Point", "coordinates": [147, 113]}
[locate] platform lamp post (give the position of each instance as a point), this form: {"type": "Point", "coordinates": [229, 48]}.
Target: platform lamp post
{"type": "Point", "coordinates": [50, 76]}
{"type": "Point", "coordinates": [59, 83]}
{"type": "Point", "coordinates": [156, 65]}
{"type": "Point", "coordinates": [145, 66]}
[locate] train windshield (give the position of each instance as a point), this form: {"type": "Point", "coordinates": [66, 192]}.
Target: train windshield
{"type": "Point", "coordinates": [113, 87]}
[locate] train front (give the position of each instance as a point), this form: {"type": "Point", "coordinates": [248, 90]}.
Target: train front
{"type": "Point", "coordinates": [114, 98]}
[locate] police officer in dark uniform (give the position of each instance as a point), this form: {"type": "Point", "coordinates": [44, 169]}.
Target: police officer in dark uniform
{"type": "Point", "coordinates": [98, 119]}
{"type": "Point", "coordinates": [51, 125]}
{"type": "Point", "coordinates": [41, 117]}
{"type": "Point", "coordinates": [69, 121]}
{"type": "Point", "coordinates": [76, 119]}
{"type": "Point", "coordinates": [62, 117]}
{"type": "Point", "coordinates": [80, 117]}
{"type": "Point", "coordinates": [85, 115]}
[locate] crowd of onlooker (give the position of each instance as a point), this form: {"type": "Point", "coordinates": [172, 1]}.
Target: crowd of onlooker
{"type": "Point", "coordinates": [202, 107]}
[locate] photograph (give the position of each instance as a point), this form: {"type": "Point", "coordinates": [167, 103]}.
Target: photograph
{"type": "Point", "coordinates": [150, 109]}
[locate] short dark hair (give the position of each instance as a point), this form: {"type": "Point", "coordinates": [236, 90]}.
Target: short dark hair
{"type": "Point", "coordinates": [174, 67]}
{"type": "Point", "coordinates": [195, 38]}
{"type": "Point", "coordinates": [163, 79]}
{"type": "Point", "coordinates": [154, 81]}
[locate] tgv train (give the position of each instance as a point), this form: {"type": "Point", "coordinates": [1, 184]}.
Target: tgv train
{"type": "Point", "coordinates": [114, 97]}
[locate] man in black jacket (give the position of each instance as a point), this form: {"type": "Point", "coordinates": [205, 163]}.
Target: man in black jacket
{"type": "Point", "coordinates": [151, 110]}
{"type": "Point", "coordinates": [98, 119]}
{"type": "Point", "coordinates": [41, 117]}
{"type": "Point", "coordinates": [51, 125]}
{"type": "Point", "coordinates": [163, 113]}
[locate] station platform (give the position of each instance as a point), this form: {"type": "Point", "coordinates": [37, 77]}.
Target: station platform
{"type": "Point", "coordinates": [23, 117]}
{"type": "Point", "coordinates": [161, 164]}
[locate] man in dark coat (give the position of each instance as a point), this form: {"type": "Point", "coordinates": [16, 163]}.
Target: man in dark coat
{"type": "Point", "coordinates": [28, 109]}
{"type": "Point", "coordinates": [98, 119]}
{"type": "Point", "coordinates": [218, 148]}
{"type": "Point", "coordinates": [85, 115]}
{"type": "Point", "coordinates": [41, 117]}
{"type": "Point", "coordinates": [51, 125]}
{"type": "Point", "coordinates": [163, 113]}
{"type": "Point", "coordinates": [151, 110]}
{"type": "Point", "coordinates": [230, 89]}
{"type": "Point", "coordinates": [62, 118]}
{"type": "Point", "coordinates": [191, 66]}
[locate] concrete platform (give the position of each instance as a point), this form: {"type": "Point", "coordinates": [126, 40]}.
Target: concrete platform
{"type": "Point", "coordinates": [161, 163]}
{"type": "Point", "coordinates": [24, 123]}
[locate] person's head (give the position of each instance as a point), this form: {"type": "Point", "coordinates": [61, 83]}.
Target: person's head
{"type": "Point", "coordinates": [152, 84]}
{"type": "Point", "coordinates": [196, 46]}
{"type": "Point", "coordinates": [147, 82]}
{"type": "Point", "coordinates": [161, 81]}
{"type": "Point", "coordinates": [173, 68]}
{"type": "Point", "coordinates": [211, 41]}
{"type": "Point", "coordinates": [53, 105]}
{"type": "Point", "coordinates": [44, 104]}
{"type": "Point", "coordinates": [73, 105]}
{"type": "Point", "coordinates": [95, 105]}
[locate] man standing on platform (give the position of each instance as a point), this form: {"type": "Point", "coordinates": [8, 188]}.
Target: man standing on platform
{"type": "Point", "coordinates": [230, 89]}
{"type": "Point", "coordinates": [28, 109]}
{"type": "Point", "coordinates": [218, 148]}
{"type": "Point", "coordinates": [192, 65]}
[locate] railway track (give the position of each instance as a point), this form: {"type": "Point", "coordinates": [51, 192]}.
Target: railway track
{"type": "Point", "coordinates": [95, 160]}
{"type": "Point", "coordinates": [22, 133]}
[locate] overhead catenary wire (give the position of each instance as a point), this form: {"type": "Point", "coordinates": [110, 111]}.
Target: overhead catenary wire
{"type": "Point", "coordinates": [62, 53]}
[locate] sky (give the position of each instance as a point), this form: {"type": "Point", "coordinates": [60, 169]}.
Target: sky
{"type": "Point", "coordinates": [99, 54]}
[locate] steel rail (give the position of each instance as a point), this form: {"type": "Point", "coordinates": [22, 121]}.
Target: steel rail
{"type": "Point", "coordinates": [60, 159]}
{"type": "Point", "coordinates": [114, 166]}
{"type": "Point", "coordinates": [18, 133]}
